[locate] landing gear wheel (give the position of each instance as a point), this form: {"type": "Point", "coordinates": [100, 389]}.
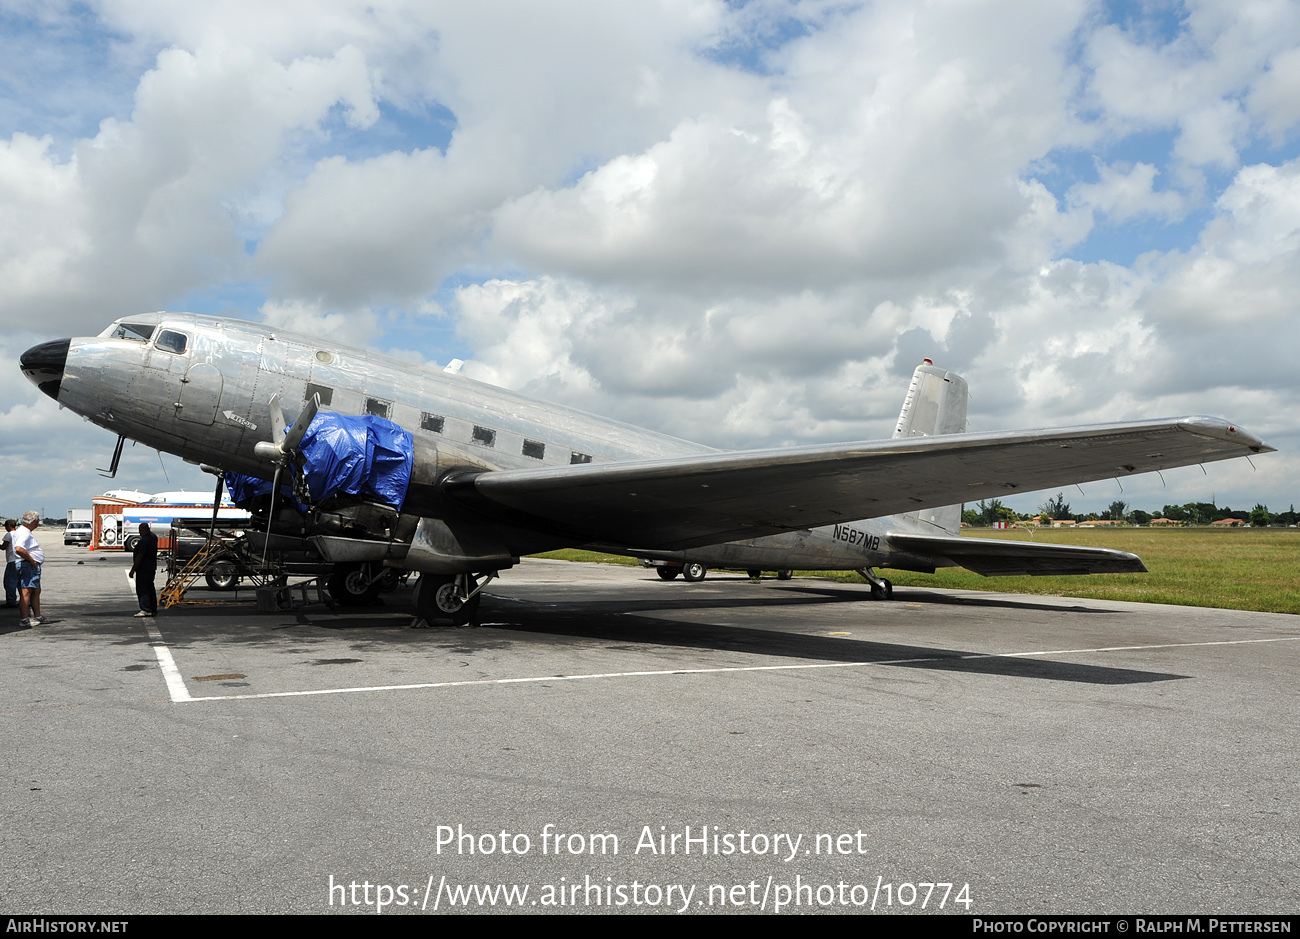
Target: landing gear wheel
{"type": "Point", "coordinates": [222, 576]}
{"type": "Point", "coordinates": [882, 591]}
{"type": "Point", "coordinates": [389, 580]}
{"type": "Point", "coordinates": [694, 572]}
{"type": "Point", "coordinates": [439, 601]}
{"type": "Point", "coordinates": [755, 575]}
{"type": "Point", "coordinates": [784, 575]}
{"type": "Point", "coordinates": [667, 573]}
{"type": "Point", "coordinates": [350, 585]}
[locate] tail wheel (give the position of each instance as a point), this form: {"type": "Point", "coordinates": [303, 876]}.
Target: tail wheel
{"type": "Point", "coordinates": [694, 572]}
{"type": "Point", "coordinates": [439, 600]}
{"type": "Point", "coordinates": [784, 575]}
{"type": "Point", "coordinates": [350, 585]}
{"type": "Point", "coordinates": [667, 573]}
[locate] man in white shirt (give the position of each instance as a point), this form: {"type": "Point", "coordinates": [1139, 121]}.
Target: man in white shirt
{"type": "Point", "coordinates": [30, 559]}
{"type": "Point", "coordinates": [11, 566]}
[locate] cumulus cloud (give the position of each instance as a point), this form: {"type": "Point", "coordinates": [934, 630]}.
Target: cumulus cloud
{"type": "Point", "coordinates": [743, 224]}
{"type": "Point", "coordinates": [147, 208]}
{"type": "Point", "coordinates": [1122, 193]}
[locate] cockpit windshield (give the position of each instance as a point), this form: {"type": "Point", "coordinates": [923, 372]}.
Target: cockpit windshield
{"type": "Point", "coordinates": [138, 331]}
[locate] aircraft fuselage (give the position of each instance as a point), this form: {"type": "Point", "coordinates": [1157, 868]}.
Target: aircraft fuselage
{"type": "Point", "coordinates": [199, 387]}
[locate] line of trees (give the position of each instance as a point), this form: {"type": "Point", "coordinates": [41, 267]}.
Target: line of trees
{"type": "Point", "coordinates": [988, 512]}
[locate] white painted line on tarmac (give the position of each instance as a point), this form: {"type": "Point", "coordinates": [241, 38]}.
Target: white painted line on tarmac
{"type": "Point", "coordinates": [180, 694]}
{"type": "Point", "coordinates": [171, 674]}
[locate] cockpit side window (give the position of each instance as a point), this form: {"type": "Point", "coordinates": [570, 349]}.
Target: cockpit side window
{"type": "Point", "coordinates": [171, 341]}
{"type": "Point", "coordinates": [138, 331]}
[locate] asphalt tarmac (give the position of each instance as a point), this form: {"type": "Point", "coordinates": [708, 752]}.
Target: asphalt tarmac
{"type": "Point", "coordinates": [812, 750]}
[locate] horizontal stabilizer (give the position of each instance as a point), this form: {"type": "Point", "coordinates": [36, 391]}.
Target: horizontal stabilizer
{"type": "Point", "coordinates": [996, 558]}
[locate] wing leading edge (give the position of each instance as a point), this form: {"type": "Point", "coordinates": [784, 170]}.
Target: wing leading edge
{"type": "Point", "coordinates": [689, 501]}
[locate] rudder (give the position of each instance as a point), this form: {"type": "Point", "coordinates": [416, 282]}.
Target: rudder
{"type": "Point", "coordinates": [935, 404]}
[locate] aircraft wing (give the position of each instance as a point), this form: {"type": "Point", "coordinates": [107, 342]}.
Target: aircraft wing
{"type": "Point", "coordinates": [996, 558]}
{"type": "Point", "coordinates": [685, 502]}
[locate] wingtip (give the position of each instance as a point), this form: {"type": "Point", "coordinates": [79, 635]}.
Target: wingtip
{"type": "Point", "coordinates": [1225, 430]}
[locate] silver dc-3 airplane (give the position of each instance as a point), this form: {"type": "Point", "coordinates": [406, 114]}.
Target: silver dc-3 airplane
{"type": "Point", "coordinates": [472, 476]}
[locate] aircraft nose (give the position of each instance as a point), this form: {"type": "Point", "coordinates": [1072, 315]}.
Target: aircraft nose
{"type": "Point", "coordinates": [43, 365]}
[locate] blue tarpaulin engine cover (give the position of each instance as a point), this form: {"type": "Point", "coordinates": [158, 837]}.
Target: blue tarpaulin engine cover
{"type": "Point", "coordinates": [363, 456]}
{"type": "Point", "coordinates": [242, 489]}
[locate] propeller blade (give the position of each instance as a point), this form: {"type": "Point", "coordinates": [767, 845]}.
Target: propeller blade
{"type": "Point", "coordinates": [277, 420]}
{"type": "Point", "coordinates": [216, 505]}
{"type": "Point", "coordinates": [299, 428]}
{"type": "Point", "coordinates": [270, 515]}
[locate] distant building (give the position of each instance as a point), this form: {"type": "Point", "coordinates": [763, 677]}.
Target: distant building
{"type": "Point", "coordinates": [1229, 523]}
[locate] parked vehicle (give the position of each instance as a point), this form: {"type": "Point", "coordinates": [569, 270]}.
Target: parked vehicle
{"type": "Point", "coordinates": [78, 532]}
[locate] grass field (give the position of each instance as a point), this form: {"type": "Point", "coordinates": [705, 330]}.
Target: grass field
{"type": "Point", "coordinates": [1241, 569]}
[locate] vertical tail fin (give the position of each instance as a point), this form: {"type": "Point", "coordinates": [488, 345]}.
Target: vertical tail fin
{"type": "Point", "coordinates": [935, 404]}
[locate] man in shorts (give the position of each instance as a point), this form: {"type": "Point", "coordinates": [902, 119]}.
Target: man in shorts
{"type": "Point", "coordinates": [30, 559]}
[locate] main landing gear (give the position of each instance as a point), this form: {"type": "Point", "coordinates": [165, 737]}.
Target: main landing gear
{"type": "Point", "coordinates": [881, 589]}
{"type": "Point", "coordinates": [445, 600]}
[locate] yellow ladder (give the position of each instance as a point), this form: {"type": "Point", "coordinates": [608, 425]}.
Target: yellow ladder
{"type": "Point", "coordinates": [174, 591]}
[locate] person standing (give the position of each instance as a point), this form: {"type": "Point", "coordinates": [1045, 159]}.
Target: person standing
{"type": "Point", "coordinates": [144, 567]}
{"type": "Point", "coordinates": [30, 558]}
{"type": "Point", "coordinates": [11, 566]}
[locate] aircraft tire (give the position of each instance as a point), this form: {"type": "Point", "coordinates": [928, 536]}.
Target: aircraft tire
{"type": "Point", "coordinates": [350, 585]}
{"type": "Point", "coordinates": [693, 572]}
{"type": "Point", "coordinates": [889, 590]}
{"type": "Point", "coordinates": [755, 575]}
{"type": "Point", "coordinates": [784, 575]}
{"type": "Point", "coordinates": [438, 603]}
{"type": "Point", "coordinates": [668, 573]}
{"type": "Point", "coordinates": [222, 576]}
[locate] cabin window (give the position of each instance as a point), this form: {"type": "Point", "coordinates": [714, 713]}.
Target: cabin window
{"type": "Point", "coordinates": [325, 393]}
{"type": "Point", "coordinates": [139, 331]}
{"type": "Point", "coordinates": [535, 449]}
{"type": "Point", "coordinates": [325, 357]}
{"type": "Point", "coordinates": [576, 457]}
{"type": "Point", "coordinates": [171, 341]}
{"type": "Point", "coordinates": [433, 423]}
{"type": "Point", "coordinates": [484, 435]}
{"type": "Point", "coordinates": [379, 407]}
